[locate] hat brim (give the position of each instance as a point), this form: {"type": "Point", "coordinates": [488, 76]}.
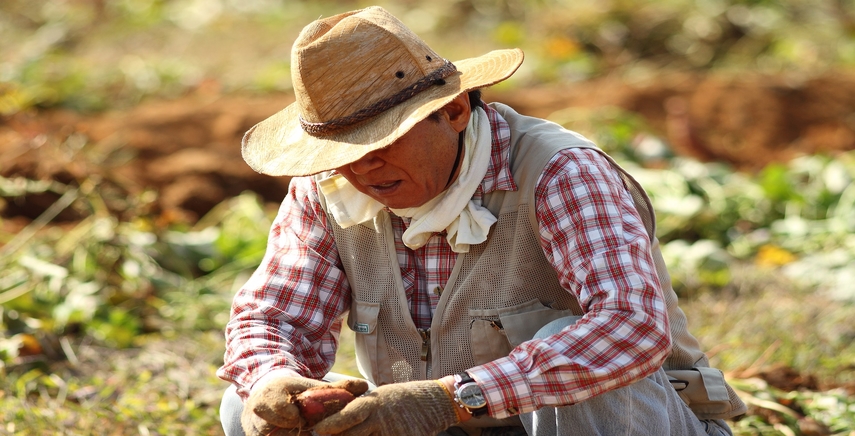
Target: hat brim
{"type": "Point", "coordinates": [278, 145]}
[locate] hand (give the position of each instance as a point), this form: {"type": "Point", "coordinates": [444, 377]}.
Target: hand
{"type": "Point", "coordinates": [271, 410]}
{"type": "Point", "coordinates": [418, 408]}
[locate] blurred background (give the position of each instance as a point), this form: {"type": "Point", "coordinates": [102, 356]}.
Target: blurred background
{"type": "Point", "coordinates": [128, 219]}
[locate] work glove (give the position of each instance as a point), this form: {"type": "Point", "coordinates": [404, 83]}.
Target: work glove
{"type": "Point", "coordinates": [271, 411]}
{"type": "Point", "coordinates": [418, 408]}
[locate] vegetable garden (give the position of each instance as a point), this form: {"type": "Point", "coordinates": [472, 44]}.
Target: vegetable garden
{"type": "Point", "coordinates": [127, 219]}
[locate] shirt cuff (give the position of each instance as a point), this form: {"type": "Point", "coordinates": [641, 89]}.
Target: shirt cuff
{"type": "Point", "coordinates": [505, 386]}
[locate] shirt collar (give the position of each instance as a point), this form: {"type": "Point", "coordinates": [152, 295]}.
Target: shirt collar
{"type": "Point", "coordinates": [498, 177]}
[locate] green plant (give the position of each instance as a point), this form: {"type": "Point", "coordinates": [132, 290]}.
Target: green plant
{"type": "Point", "coordinates": [115, 280]}
{"type": "Point", "coordinates": [798, 217]}
{"type": "Point", "coordinates": [89, 55]}
{"type": "Point", "coordinates": [113, 323]}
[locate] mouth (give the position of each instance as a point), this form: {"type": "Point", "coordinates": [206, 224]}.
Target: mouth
{"type": "Point", "coordinates": [384, 189]}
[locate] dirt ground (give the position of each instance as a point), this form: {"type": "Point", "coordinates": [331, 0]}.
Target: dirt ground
{"type": "Point", "coordinates": [188, 149]}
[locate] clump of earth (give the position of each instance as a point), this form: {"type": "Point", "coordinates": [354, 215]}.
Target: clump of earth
{"type": "Point", "coordinates": [187, 150]}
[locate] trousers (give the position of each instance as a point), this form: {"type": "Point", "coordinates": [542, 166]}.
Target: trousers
{"type": "Point", "coordinates": [648, 407]}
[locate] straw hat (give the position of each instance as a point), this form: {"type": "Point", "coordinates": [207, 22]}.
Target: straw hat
{"type": "Point", "coordinates": [361, 80]}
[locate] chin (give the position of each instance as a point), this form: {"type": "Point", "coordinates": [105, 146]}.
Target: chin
{"type": "Point", "coordinates": [400, 204]}
{"type": "Point", "coordinates": [397, 205]}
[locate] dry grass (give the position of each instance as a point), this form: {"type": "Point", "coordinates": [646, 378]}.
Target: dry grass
{"type": "Point", "coordinates": [168, 386]}
{"type": "Point", "coordinates": [763, 321]}
{"type": "Point", "coordinates": [164, 386]}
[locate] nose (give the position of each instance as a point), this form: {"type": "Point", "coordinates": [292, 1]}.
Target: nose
{"type": "Point", "coordinates": [366, 164]}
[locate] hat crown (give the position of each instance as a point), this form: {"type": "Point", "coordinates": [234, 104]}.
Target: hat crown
{"type": "Point", "coordinates": [351, 61]}
{"type": "Point", "coordinates": [361, 80]}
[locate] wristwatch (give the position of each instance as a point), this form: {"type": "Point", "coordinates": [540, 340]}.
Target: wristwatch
{"type": "Point", "coordinates": [468, 395]}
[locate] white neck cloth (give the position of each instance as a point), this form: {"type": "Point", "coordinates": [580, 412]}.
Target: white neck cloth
{"type": "Point", "coordinates": [453, 210]}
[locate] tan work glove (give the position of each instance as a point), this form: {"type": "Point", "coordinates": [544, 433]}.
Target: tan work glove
{"type": "Point", "coordinates": [418, 408]}
{"type": "Point", "coordinates": [271, 411]}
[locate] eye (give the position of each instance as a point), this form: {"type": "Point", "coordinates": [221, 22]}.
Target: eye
{"type": "Point", "coordinates": [399, 74]}
{"type": "Point", "coordinates": [428, 58]}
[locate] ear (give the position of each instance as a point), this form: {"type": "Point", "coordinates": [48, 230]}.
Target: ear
{"type": "Point", "coordinates": [457, 111]}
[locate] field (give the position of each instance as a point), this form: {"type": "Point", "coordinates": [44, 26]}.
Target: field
{"type": "Point", "coordinates": [127, 218]}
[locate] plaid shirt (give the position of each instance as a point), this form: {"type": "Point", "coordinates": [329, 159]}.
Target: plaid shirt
{"type": "Point", "coordinates": [289, 314]}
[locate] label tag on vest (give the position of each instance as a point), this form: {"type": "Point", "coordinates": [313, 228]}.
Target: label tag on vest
{"type": "Point", "coordinates": [361, 327]}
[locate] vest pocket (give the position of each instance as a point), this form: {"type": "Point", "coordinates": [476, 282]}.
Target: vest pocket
{"type": "Point", "coordinates": [362, 319]}
{"type": "Point", "coordinates": [363, 316]}
{"type": "Point", "coordinates": [493, 333]}
{"type": "Point", "coordinates": [521, 322]}
{"type": "Point", "coordinates": [704, 391]}
{"type": "Point", "coordinates": [487, 339]}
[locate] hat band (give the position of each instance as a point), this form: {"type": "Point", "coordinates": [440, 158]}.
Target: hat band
{"type": "Point", "coordinates": [436, 77]}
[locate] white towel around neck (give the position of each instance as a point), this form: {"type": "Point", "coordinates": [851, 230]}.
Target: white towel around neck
{"type": "Point", "coordinates": [453, 210]}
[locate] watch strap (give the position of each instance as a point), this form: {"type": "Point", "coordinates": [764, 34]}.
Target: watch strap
{"type": "Point", "coordinates": [463, 378]}
{"type": "Point", "coordinates": [460, 380]}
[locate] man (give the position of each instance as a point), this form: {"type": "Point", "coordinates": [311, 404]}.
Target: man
{"type": "Point", "coordinates": [500, 272]}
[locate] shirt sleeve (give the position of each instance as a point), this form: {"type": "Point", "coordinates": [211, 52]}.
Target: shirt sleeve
{"type": "Point", "coordinates": [287, 317]}
{"type": "Point", "coordinates": [594, 238]}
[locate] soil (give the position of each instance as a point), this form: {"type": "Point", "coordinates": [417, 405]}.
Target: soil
{"type": "Point", "coordinates": [188, 149]}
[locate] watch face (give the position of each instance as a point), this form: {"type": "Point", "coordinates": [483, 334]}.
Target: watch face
{"type": "Point", "coordinates": [471, 396]}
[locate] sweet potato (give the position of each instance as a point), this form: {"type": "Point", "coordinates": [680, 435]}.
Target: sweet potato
{"type": "Point", "coordinates": [305, 407]}
{"type": "Point", "coordinates": [317, 403]}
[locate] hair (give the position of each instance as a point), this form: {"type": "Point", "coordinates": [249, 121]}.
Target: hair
{"type": "Point", "coordinates": [474, 101]}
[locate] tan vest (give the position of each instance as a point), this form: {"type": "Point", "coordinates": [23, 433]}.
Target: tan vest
{"type": "Point", "coordinates": [499, 294]}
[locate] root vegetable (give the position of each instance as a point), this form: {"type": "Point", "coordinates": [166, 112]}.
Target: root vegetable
{"type": "Point", "coordinates": [289, 403]}
{"type": "Point", "coordinates": [317, 403]}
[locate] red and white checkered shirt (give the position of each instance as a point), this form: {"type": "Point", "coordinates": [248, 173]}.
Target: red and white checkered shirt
{"type": "Point", "coordinates": [288, 315]}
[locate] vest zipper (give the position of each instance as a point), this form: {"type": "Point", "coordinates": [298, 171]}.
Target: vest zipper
{"type": "Point", "coordinates": [425, 334]}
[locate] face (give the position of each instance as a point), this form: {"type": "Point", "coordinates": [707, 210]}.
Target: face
{"type": "Point", "coordinates": [415, 168]}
